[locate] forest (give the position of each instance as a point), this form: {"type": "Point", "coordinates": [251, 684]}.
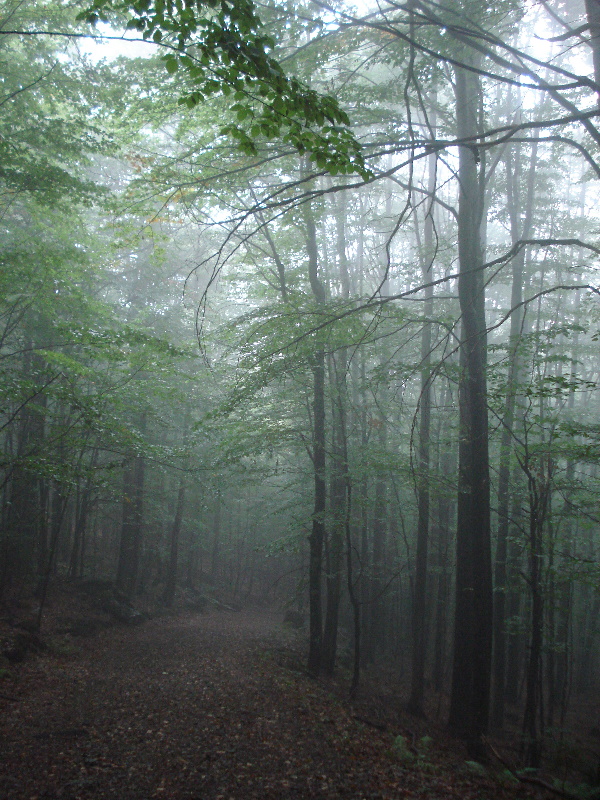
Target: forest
{"type": "Point", "coordinates": [299, 311]}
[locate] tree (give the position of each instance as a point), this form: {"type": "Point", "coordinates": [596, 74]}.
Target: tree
{"type": "Point", "coordinates": [317, 535]}
{"type": "Point", "coordinates": [521, 225]}
{"type": "Point", "coordinates": [419, 622]}
{"type": "Point", "coordinates": [469, 705]}
{"type": "Point", "coordinates": [331, 343]}
{"type": "Point", "coordinates": [222, 47]}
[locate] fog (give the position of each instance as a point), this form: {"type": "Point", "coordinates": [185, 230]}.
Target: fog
{"type": "Point", "coordinates": [299, 319]}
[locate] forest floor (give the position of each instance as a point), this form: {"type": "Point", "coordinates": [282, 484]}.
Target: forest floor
{"type": "Point", "coordinates": [215, 706]}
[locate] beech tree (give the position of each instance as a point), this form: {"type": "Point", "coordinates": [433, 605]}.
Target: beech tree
{"type": "Point", "coordinates": [391, 333]}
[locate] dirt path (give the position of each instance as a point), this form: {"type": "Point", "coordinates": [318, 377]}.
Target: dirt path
{"type": "Point", "coordinates": [195, 707]}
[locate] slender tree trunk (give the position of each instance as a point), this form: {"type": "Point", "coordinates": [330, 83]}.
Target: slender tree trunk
{"type": "Point", "coordinates": [216, 543]}
{"type": "Point", "coordinates": [379, 535]}
{"type": "Point", "coordinates": [501, 576]}
{"type": "Point", "coordinates": [44, 528]}
{"type": "Point", "coordinates": [539, 495]}
{"type": "Point", "coordinates": [514, 637]}
{"type": "Point", "coordinates": [131, 530]}
{"type": "Point", "coordinates": [338, 368]}
{"type": "Point", "coordinates": [57, 513]}
{"type": "Point", "coordinates": [338, 518]}
{"type": "Point", "coordinates": [317, 535]}
{"type": "Point", "coordinates": [356, 551]}
{"type": "Point", "coordinates": [82, 507]}
{"type": "Point", "coordinates": [550, 669]}
{"type": "Point", "coordinates": [447, 467]}
{"type": "Point", "coordinates": [564, 586]}
{"type": "Point", "coordinates": [171, 581]}
{"type": "Point", "coordinates": [419, 615]}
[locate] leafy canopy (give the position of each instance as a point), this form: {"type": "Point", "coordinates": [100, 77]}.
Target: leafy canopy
{"type": "Point", "coordinates": [222, 47]}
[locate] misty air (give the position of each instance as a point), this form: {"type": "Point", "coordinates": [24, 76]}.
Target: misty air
{"type": "Point", "coordinates": [299, 400]}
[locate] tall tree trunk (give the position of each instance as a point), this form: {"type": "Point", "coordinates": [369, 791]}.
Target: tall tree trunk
{"type": "Point", "coordinates": [446, 468]}
{"type": "Point", "coordinates": [171, 580]}
{"type": "Point", "coordinates": [564, 587]}
{"type": "Point", "coordinates": [317, 535]}
{"type": "Point", "coordinates": [338, 368]}
{"type": "Point", "coordinates": [132, 520]}
{"type": "Point", "coordinates": [518, 231]}
{"type": "Point", "coordinates": [338, 519]}
{"type": "Point", "coordinates": [419, 615]}
{"type": "Point", "coordinates": [357, 551]}
{"type": "Point", "coordinates": [82, 504]}
{"type": "Point", "coordinates": [514, 637]}
{"type": "Point", "coordinates": [539, 483]}
{"type": "Point", "coordinates": [216, 543]}
{"type": "Point", "coordinates": [57, 513]}
{"type": "Point", "coordinates": [377, 610]}
{"type": "Point", "coordinates": [469, 705]}
{"type": "Point", "coordinates": [82, 507]}
{"type": "Point", "coordinates": [44, 528]}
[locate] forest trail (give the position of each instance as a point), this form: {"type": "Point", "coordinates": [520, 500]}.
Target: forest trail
{"type": "Point", "coordinates": [201, 706]}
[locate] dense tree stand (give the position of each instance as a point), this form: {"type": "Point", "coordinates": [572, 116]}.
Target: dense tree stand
{"type": "Point", "coordinates": [299, 308]}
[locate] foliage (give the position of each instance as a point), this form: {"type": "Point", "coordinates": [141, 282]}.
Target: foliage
{"type": "Point", "coordinates": [222, 47]}
{"type": "Point", "coordinates": [131, 226]}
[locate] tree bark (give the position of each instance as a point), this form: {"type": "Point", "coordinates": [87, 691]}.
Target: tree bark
{"type": "Point", "coordinates": [419, 615]}
{"type": "Point", "coordinates": [131, 529]}
{"type": "Point", "coordinates": [446, 469]}
{"type": "Point", "coordinates": [171, 581]}
{"type": "Point", "coordinates": [57, 512]}
{"type": "Point", "coordinates": [501, 575]}
{"type": "Point", "coordinates": [216, 543]}
{"type": "Point", "coordinates": [469, 705]}
{"type": "Point", "coordinates": [539, 495]}
{"type": "Point", "coordinates": [338, 367]}
{"type": "Point", "coordinates": [375, 638]}
{"type": "Point", "coordinates": [317, 535]}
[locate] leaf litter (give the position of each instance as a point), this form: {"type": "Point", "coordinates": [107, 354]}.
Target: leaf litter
{"type": "Point", "coordinates": [212, 706]}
